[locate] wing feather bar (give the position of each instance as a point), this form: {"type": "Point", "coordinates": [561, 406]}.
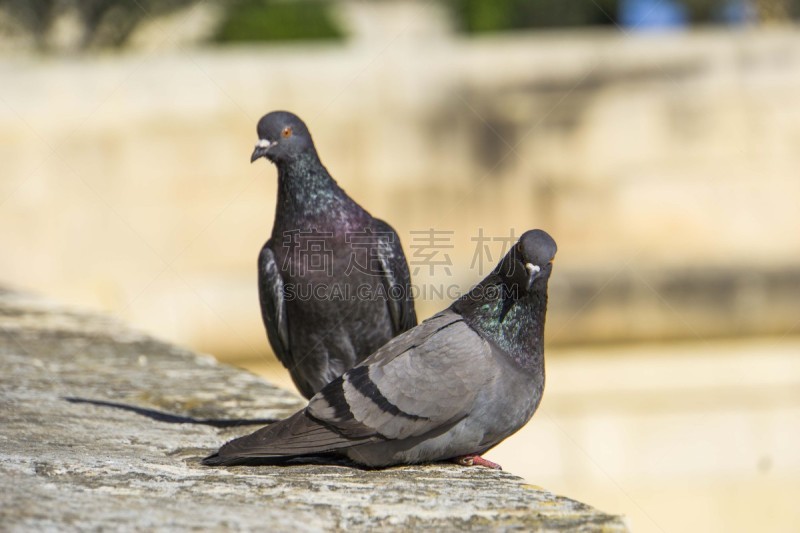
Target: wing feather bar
{"type": "Point", "coordinates": [408, 389]}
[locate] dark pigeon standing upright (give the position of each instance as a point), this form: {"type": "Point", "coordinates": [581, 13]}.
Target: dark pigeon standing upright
{"type": "Point", "coordinates": [333, 281]}
{"type": "Point", "coordinates": [449, 389]}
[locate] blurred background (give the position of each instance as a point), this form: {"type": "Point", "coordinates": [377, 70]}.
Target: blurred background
{"type": "Point", "coordinates": [658, 141]}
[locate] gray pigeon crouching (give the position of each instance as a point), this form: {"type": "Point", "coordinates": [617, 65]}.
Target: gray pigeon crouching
{"type": "Point", "coordinates": [449, 389]}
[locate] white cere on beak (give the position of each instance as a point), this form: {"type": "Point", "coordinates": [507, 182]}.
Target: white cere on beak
{"type": "Point", "coordinates": [263, 143]}
{"type": "Point", "coordinates": [531, 268]}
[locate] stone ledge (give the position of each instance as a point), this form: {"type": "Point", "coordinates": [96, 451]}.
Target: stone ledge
{"type": "Point", "coordinates": [73, 463]}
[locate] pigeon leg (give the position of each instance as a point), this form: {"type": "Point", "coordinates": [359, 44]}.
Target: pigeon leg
{"type": "Point", "coordinates": [476, 460]}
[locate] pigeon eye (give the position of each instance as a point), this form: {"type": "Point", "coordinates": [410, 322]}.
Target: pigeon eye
{"type": "Point", "coordinates": [287, 132]}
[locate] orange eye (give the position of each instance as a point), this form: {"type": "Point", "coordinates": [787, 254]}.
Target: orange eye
{"type": "Point", "coordinates": [287, 132]}
{"type": "Point", "coordinates": [519, 248]}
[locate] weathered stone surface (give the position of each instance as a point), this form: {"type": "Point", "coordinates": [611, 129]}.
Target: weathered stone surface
{"type": "Point", "coordinates": [68, 463]}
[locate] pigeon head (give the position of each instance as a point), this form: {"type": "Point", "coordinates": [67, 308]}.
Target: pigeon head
{"type": "Point", "coordinates": [522, 273]}
{"type": "Point", "coordinates": [536, 250]}
{"type": "Point", "coordinates": [282, 136]}
{"type": "Point", "coordinates": [530, 261]}
{"type": "Point", "coordinates": [509, 305]}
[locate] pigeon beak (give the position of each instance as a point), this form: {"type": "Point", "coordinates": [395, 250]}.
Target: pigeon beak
{"type": "Point", "coordinates": [533, 272]}
{"type": "Point", "coordinates": [262, 146]}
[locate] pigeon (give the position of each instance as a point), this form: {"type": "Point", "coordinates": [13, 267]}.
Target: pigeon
{"type": "Point", "coordinates": [333, 282]}
{"type": "Point", "coordinates": [449, 389]}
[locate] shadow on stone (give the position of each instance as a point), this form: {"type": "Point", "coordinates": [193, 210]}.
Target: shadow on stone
{"type": "Point", "coordinates": [161, 416]}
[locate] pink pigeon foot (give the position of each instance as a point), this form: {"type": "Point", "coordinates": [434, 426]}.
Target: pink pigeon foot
{"type": "Point", "coordinates": [476, 460]}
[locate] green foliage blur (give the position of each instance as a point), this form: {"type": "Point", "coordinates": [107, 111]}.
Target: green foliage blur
{"type": "Point", "coordinates": [278, 20]}
{"type": "Point", "coordinates": [481, 16]}
{"type": "Point", "coordinates": [102, 23]}
{"type": "Point", "coordinates": [484, 16]}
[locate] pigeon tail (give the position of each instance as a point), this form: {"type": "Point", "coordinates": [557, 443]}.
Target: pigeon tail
{"type": "Point", "coordinates": [214, 460]}
{"type": "Point", "coordinates": [298, 435]}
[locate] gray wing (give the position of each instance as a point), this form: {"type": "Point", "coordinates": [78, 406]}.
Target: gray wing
{"type": "Point", "coordinates": [421, 381]}
{"type": "Point", "coordinates": [396, 278]}
{"type": "Point", "coordinates": [273, 305]}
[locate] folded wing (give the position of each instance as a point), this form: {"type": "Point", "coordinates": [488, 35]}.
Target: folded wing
{"type": "Point", "coordinates": [422, 381]}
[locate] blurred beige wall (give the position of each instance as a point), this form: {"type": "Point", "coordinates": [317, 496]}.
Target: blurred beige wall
{"type": "Point", "coordinates": [665, 166]}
